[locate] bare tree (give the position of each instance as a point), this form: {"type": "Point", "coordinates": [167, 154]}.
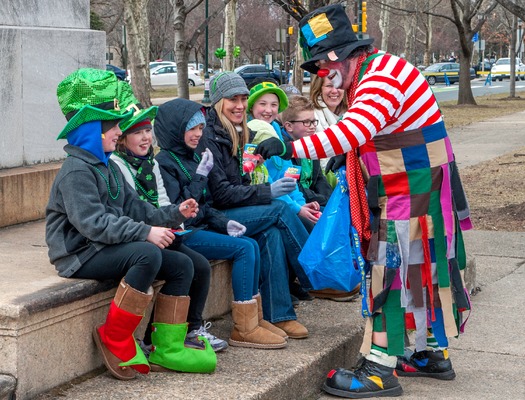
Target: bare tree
{"type": "Point", "coordinates": [514, 7]}
{"type": "Point", "coordinates": [136, 19]}
{"type": "Point", "coordinates": [183, 45]}
{"type": "Point", "coordinates": [230, 34]}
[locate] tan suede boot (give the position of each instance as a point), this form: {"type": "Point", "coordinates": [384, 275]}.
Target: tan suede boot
{"type": "Point", "coordinates": [119, 350]}
{"type": "Point", "coordinates": [265, 324]}
{"type": "Point", "coordinates": [246, 330]}
{"type": "Point", "coordinates": [169, 332]}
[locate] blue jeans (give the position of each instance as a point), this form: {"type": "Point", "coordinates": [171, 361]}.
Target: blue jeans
{"type": "Point", "coordinates": [275, 290]}
{"type": "Point", "coordinates": [243, 251]}
{"type": "Point", "coordinates": [257, 219]}
{"type": "Point", "coordinates": [281, 237]}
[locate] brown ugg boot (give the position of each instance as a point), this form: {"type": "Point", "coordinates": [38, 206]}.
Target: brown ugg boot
{"type": "Point", "coordinates": [265, 324]}
{"type": "Point", "coordinates": [293, 329]}
{"type": "Point", "coordinates": [246, 330]}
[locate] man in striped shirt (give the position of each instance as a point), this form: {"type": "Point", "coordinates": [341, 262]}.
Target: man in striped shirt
{"type": "Point", "coordinates": [393, 140]}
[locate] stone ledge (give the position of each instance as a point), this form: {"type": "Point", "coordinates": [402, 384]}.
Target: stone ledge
{"type": "Point", "coordinates": [24, 192]}
{"type": "Point", "coordinates": [47, 320]}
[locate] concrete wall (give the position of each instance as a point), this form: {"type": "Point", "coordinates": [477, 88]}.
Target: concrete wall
{"type": "Point", "coordinates": [41, 42]}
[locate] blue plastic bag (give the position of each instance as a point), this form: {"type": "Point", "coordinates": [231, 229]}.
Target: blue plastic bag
{"type": "Point", "coordinates": [330, 257]}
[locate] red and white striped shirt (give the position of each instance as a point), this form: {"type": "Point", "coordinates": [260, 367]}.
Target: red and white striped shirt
{"type": "Point", "coordinates": [393, 96]}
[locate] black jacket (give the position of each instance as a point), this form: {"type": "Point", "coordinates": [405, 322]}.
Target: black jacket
{"type": "Point", "coordinates": [229, 187]}
{"type": "Point", "coordinates": [169, 128]}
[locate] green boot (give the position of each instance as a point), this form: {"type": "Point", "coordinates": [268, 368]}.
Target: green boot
{"type": "Point", "coordinates": [169, 351]}
{"type": "Point", "coordinates": [169, 332]}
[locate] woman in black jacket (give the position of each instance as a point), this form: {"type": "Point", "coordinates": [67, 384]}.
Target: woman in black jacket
{"type": "Point", "coordinates": [280, 233]}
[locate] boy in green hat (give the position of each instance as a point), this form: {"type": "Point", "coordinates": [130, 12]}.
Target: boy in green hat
{"type": "Point", "coordinates": [97, 227]}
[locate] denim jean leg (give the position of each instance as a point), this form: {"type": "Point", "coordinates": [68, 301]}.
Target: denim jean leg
{"type": "Point", "coordinates": [256, 219]}
{"type": "Point", "coordinates": [294, 236]}
{"type": "Point", "coordinates": [217, 246]}
{"type": "Point", "coordinates": [275, 292]}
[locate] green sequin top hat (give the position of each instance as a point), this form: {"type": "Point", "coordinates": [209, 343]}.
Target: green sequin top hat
{"type": "Point", "coordinates": [327, 34]}
{"type": "Point", "coordinates": [87, 95]}
{"type": "Point", "coordinates": [267, 87]}
{"type": "Point", "coordinates": [129, 102]}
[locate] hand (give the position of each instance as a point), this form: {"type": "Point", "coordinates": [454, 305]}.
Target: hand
{"type": "Point", "coordinates": [160, 237]}
{"type": "Point", "coordinates": [335, 163]}
{"type": "Point", "coordinates": [189, 208]}
{"type": "Point", "coordinates": [309, 213]}
{"type": "Point", "coordinates": [274, 147]}
{"type": "Point", "coordinates": [235, 229]}
{"type": "Point", "coordinates": [314, 205]}
{"type": "Point", "coordinates": [206, 163]}
{"type": "Point", "coordinates": [282, 186]}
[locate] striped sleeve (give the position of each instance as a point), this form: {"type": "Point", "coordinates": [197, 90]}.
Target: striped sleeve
{"type": "Point", "coordinates": [392, 97]}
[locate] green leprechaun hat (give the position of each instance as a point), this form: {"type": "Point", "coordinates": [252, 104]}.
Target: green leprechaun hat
{"type": "Point", "coordinates": [129, 102]}
{"type": "Point", "coordinates": [87, 95]}
{"type": "Point", "coordinates": [267, 87]}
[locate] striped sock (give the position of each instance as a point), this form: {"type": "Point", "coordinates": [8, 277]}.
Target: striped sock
{"type": "Point", "coordinates": [432, 343]}
{"type": "Point", "coordinates": [379, 355]}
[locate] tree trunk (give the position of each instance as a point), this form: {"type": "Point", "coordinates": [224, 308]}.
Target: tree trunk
{"type": "Point", "coordinates": [230, 30]}
{"type": "Point", "coordinates": [384, 26]}
{"type": "Point", "coordinates": [181, 50]}
{"type": "Point", "coordinates": [428, 41]}
{"type": "Point", "coordinates": [512, 56]}
{"type": "Point", "coordinates": [137, 27]}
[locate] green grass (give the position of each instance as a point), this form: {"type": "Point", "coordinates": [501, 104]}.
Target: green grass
{"type": "Point", "coordinates": [172, 91]}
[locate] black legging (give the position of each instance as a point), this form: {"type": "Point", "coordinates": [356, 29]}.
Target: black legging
{"type": "Point", "coordinates": [185, 272]}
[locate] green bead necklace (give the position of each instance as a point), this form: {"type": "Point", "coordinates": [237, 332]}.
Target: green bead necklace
{"type": "Point", "coordinates": [107, 181]}
{"type": "Point", "coordinates": [183, 168]}
{"type": "Point", "coordinates": [239, 156]}
{"type": "Point", "coordinates": [154, 198]}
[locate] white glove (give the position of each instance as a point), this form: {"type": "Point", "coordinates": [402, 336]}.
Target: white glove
{"type": "Point", "coordinates": [206, 163]}
{"type": "Point", "coordinates": [235, 229]}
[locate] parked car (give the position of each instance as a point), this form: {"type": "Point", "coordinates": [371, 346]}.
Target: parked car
{"type": "Point", "coordinates": [166, 75]}
{"type": "Point", "coordinates": [436, 73]}
{"type": "Point", "coordinates": [121, 74]}
{"type": "Point", "coordinates": [306, 76]}
{"type": "Point", "coordinates": [249, 72]}
{"type": "Point", "coordinates": [158, 63]}
{"type": "Point", "coordinates": [501, 69]}
{"type": "Point", "coordinates": [484, 66]}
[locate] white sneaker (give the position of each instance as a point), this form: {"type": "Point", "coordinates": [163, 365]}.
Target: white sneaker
{"type": "Point", "coordinates": [192, 338]}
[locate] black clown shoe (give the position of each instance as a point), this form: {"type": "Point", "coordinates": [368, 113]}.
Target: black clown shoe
{"type": "Point", "coordinates": [426, 363]}
{"type": "Point", "coordinates": [369, 379]}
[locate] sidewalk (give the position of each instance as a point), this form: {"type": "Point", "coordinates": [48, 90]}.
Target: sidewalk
{"type": "Point", "coordinates": [489, 359]}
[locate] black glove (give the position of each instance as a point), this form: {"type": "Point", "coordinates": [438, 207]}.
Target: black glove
{"type": "Point", "coordinates": [335, 163]}
{"type": "Point", "coordinates": [274, 147]}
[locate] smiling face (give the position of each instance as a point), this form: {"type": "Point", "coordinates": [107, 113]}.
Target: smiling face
{"type": "Point", "coordinates": [266, 108]}
{"type": "Point", "coordinates": [234, 108]}
{"type": "Point", "coordinates": [109, 139]}
{"type": "Point", "coordinates": [139, 143]}
{"type": "Point", "coordinates": [192, 137]}
{"type": "Point", "coordinates": [330, 95]}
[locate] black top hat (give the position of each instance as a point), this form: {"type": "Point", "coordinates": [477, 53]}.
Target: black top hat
{"type": "Point", "coordinates": [327, 34]}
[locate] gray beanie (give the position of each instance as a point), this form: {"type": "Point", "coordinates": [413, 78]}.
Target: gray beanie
{"type": "Point", "coordinates": [226, 85]}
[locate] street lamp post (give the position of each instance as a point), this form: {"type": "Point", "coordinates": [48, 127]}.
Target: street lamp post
{"type": "Point", "coordinates": [206, 98]}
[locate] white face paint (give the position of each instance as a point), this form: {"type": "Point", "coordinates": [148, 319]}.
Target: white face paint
{"type": "Point", "coordinates": [336, 77]}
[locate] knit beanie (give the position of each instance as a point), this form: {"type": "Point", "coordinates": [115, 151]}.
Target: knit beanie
{"type": "Point", "coordinates": [144, 124]}
{"type": "Point", "coordinates": [226, 85]}
{"type": "Point", "coordinates": [196, 119]}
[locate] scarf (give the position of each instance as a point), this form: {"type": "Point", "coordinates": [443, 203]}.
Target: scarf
{"type": "Point", "coordinates": [359, 210]}
{"type": "Point", "coordinates": [145, 181]}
